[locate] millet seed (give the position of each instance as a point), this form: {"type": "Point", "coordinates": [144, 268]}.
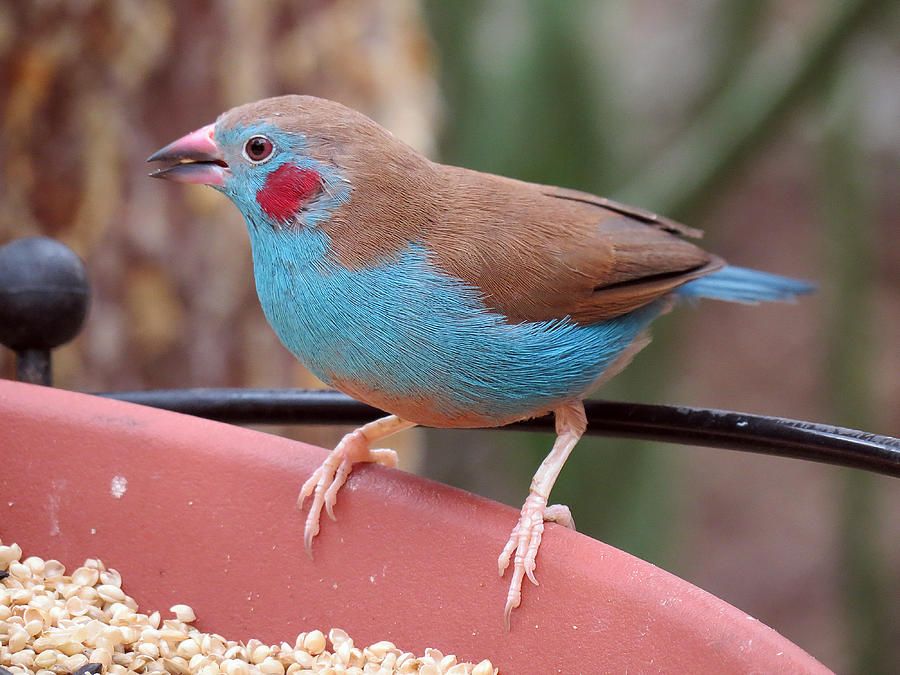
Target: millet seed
{"type": "Point", "coordinates": [85, 624]}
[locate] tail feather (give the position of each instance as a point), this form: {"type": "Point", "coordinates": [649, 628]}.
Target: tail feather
{"type": "Point", "coordinates": [739, 284]}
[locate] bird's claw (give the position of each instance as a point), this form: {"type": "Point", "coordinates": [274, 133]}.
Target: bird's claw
{"type": "Point", "coordinates": [523, 544]}
{"type": "Point", "coordinates": [315, 486]}
{"type": "Point", "coordinates": [325, 482]}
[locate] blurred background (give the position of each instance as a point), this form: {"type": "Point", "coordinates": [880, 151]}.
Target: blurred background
{"type": "Point", "coordinates": [774, 126]}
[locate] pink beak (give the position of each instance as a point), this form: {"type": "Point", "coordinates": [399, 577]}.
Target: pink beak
{"type": "Point", "coordinates": [196, 157]}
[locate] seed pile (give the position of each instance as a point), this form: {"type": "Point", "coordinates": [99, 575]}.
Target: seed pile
{"type": "Point", "coordinates": [53, 623]}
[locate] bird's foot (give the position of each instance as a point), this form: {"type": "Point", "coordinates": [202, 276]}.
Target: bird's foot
{"type": "Point", "coordinates": [325, 481]}
{"type": "Point", "coordinates": [524, 541]}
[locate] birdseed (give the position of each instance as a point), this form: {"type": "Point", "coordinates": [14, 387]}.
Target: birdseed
{"type": "Point", "coordinates": [84, 624]}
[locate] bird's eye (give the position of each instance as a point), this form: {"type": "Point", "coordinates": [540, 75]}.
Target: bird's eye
{"type": "Point", "coordinates": [258, 149]}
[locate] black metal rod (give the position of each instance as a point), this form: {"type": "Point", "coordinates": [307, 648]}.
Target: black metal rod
{"type": "Point", "coordinates": [33, 366]}
{"type": "Point", "coordinates": [670, 424]}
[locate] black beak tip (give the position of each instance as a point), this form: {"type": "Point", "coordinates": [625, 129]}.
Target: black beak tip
{"type": "Point", "coordinates": [158, 155]}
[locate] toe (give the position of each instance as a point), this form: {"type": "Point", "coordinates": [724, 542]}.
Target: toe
{"type": "Point", "coordinates": [331, 488]}
{"type": "Point", "coordinates": [559, 514]}
{"type": "Point", "coordinates": [307, 488]}
{"type": "Point", "coordinates": [330, 501]}
{"type": "Point", "coordinates": [529, 572]}
{"type": "Point", "coordinates": [384, 456]}
{"type": "Point", "coordinates": [507, 612]}
{"type": "Point", "coordinates": [312, 529]}
{"type": "Point", "coordinates": [506, 553]}
{"type": "Point", "coordinates": [514, 595]}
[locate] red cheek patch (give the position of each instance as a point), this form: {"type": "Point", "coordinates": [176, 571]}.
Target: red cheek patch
{"type": "Point", "coordinates": [286, 190]}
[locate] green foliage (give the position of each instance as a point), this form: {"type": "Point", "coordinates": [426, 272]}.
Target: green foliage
{"type": "Point", "coordinates": [845, 198]}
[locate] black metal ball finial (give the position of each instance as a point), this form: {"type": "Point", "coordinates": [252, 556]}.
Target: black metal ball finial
{"type": "Point", "coordinates": [44, 294]}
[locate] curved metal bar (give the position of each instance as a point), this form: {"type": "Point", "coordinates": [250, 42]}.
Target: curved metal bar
{"type": "Point", "coordinates": [670, 424]}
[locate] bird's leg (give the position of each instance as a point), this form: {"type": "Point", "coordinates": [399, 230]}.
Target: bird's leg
{"type": "Point", "coordinates": [526, 535]}
{"type": "Point", "coordinates": [325, 481]}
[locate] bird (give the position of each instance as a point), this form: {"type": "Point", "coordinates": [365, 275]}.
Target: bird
{"type": "Point", "coordinates": [444, 296]}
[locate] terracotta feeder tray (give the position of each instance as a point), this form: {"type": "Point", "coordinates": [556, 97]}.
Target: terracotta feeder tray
{"type": "Point", "coordinates": [203, 513]}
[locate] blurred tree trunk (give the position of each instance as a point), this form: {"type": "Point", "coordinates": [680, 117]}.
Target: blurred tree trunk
{"type": "Point", "coordinates": [89, 89]}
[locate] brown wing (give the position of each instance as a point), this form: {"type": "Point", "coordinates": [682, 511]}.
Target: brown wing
{"type": "Point", "coordinates": [634, 212]}
{"type": "Point", "coordinates": [542, 253]}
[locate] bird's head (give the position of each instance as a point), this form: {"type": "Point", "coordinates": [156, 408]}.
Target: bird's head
{"type": "Point", "coordinates": [286, 162]}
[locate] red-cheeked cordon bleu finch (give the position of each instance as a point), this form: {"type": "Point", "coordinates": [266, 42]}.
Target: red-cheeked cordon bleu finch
{"type": "Point", "coordinates": [444, 296]}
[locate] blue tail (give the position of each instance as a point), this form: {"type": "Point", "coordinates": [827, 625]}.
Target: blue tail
{"type": "Point", "coordinates": [739, 284]}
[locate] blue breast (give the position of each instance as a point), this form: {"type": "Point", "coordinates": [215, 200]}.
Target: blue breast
{"type": "Point", "coordinates": [408, 331]}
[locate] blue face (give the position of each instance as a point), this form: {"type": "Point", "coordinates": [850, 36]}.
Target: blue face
{"type": "Point", "coordinates": [256, 152]}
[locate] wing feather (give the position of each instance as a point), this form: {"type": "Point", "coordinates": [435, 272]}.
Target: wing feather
{"type": "Point", "coordinates": [540, 253]}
